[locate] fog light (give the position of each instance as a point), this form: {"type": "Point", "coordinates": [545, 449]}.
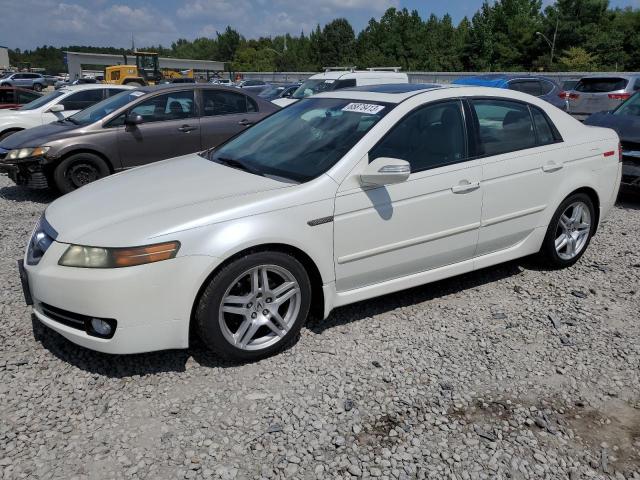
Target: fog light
{"type": "Point", "coordinates": [101, 327]}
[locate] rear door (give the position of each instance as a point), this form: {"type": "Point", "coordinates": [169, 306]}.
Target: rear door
{"type": "Point", "coordinates": [170, 128]}
{"type": "Point", "coordinates": [224, 114]}
{"type": "Point", "coordinates": [522, 168]}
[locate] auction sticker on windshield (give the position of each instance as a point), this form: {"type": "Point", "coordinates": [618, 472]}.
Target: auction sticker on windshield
{"type": "Point", "coordinates": [363, 108]}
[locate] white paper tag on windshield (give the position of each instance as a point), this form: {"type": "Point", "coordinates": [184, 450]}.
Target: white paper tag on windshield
{"type": "Point", "coordinates": [137, 94]}
{"type": "Point", "coordinates": [329, 81]}
{"type": "Point", "coordinates": [363, 108]}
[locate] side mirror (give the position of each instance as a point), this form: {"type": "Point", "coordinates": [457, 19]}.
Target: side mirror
{"type": "Point", "coordinates": [57, 108]}
{"type": "Point", "coordinates": [385, 171]}
{"type": "Point", "coordinates": [133, 119]}
{"type": "Point", "coordinates": [288, 94]}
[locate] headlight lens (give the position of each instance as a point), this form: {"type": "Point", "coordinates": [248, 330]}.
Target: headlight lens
{"type": "Point", "coordinates": [98, 257]}
{"type": "Point", "coordinates": [20, 153]}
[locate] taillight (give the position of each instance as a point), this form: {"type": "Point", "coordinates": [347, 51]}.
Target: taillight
{"type": "Point", "coordinates": [619, 96]}
{"type": "Point", "coordinates": [563, 95]}
{"type": "Point", "coordinates": [574, 96]}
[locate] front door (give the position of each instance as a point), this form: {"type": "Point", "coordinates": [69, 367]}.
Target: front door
{"type": "Point", "coordinates": [522, 169]}
{"type": "Point", "coordinates": [224, 114]}
{"type": "Point", "coordinates": [426, 222]}
{"type": "Point", "coordinates": [170, 128]}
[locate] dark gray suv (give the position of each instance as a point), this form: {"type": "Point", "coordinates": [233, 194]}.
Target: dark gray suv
{"type": "Point", "coordinates": [24, 80]}
{"type": "Point", "coordinates": [132, 128]}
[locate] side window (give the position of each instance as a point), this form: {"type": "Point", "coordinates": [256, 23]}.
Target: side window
{"type": "Point", "coordinates": [83, 99]}
{"type": "Point", "coordinates": [252, 106]}
{"type": "Point", "coordinates": [169, 106]}
{"type": "Point", "coordinates": [545, 87]}
{"type": "Point", "coordinates": [429, 137]}
{"type": "Point", "coordinates": [218, 102]}
{"type": "Point", "coordinates": [26, 97]}
{"type": "Point", "coordinates": [636, 86]}
{"type": "Point", "coordinates": [345, 83]}
{"type": "Point", "coordinates": [18, 76]}
{"type": "Point", "coordinates": [503, 126]}
{"type": "Point", "coordinates": [532, 87]}
{"type": "Point", "coordinates": [543, 128]}
{"type": "Point", "coordinates": [6, 96]}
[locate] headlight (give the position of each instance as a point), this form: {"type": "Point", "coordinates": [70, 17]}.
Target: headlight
{"type": "Point", "coordinates": [20, 153]}
{"type": "Point", "coordinates": [98, 257]}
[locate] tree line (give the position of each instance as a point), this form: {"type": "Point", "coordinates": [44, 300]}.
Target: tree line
{"type": "Point", "coordinates": [505, 35]}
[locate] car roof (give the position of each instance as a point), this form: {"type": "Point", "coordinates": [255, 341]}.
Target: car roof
{"type": "Point", "coordinates": [397, 88]}
{"type": "Point", "coordinates": [438, 93]}
{"type": "Point", "coordinates": [92, 86]}
{"type": "Point", "coordinates": [497, 80]}
{"type": "Point", "coordinates": [383, 92]}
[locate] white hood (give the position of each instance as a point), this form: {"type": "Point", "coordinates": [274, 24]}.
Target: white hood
{"type": "Point", "coordinates": [135, 206]}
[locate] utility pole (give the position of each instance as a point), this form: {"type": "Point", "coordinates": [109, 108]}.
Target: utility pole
{"type": "Point", "coordinates": [552, 44]}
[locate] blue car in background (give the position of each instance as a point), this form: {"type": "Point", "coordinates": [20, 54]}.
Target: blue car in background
{"type": "Point", "coordinates": [538, 86]}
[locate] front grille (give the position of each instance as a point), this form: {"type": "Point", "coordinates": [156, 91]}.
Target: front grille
{"type": "Point", "coordinates": [41, 239]}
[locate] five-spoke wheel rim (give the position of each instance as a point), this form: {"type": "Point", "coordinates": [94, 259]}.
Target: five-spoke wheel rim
{"type": "Point", "coordinates": [572, 232]}
{"type": "Point", "coordinates": [259, 307]}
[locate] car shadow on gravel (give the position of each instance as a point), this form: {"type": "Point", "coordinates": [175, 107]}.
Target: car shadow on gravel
{"type": "Point", "coordinates": [122, 366]}
{"type": "Point", "coordinates": [423, 293]}
{"type": "Point", "coordinates": [15, 193]}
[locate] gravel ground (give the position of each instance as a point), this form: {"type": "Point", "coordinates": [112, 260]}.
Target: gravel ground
{"type": "Point", "coordinates": [510, 372]}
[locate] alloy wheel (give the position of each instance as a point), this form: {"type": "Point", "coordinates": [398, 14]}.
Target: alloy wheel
{"type": "Point", "coordinates": [259, 307]}
{"type": "Point", "coordinates": [572, 231]}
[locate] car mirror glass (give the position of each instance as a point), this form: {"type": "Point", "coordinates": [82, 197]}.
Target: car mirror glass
{"type": "Point", "coordinates": [133, 119]}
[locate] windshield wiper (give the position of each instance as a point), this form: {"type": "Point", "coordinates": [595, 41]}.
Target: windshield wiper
{"type": "Point", "coordinates": [239, 164]}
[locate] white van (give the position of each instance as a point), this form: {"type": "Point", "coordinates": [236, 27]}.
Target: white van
{"type": "Point", "coordinates": [334, 78]}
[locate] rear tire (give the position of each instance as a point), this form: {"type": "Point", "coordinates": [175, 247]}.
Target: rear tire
{"type": "Point", "coordinates": [569, 232]}
{"type": "Point", "coordinates": [37, 87]}
{"type": "Point", "coordinates": [243, 317]}
{"type": "Point", "coordinates": [78, 170]}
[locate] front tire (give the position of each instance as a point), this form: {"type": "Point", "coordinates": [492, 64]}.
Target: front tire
{"type": "Point", "coordinates": [37, 87]}
{"type": "Point", "coordinates": [254, 306]}
{"type": "Point", "coordinates": [569, 231]}
{"type": "Point", "coordinates": [78, 170]}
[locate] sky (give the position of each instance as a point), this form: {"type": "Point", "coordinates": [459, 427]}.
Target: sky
{"type": "Point", "coordinates": [31, 23]}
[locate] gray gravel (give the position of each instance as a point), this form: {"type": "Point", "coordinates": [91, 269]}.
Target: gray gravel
{"type": "Point", "coordinates": [511, 372]}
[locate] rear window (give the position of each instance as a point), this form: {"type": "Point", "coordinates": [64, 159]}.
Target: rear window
{"type": "Point", "coordinates": [601, 85]}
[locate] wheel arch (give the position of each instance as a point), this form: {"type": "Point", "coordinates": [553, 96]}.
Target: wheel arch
{"type": "Point", "coordinates": [317, 294]}
{"type": "Point", "coordinates": [593, 195]}
{"type": "Point", "coordinates": [12, 130]}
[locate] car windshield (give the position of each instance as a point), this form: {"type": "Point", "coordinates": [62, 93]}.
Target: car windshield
{"type": "Point", "coordinates": [311, 87]}
{"type": "Point", "coordinates": [302, 141]}
{"type": "Point", "coordinates": [601, 85]}
{"type": "Point", "coordinates": [101, 109]}
{"type": "Point", "coordinates": [39, 102]}
{"type": "Point", "coordinates": [630, 107]}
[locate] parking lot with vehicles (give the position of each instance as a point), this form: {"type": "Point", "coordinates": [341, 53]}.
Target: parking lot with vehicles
{"type": "Point", "coordinates": [322, 224]}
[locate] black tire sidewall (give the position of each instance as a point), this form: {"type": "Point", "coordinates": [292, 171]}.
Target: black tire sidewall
{"type": "Point", "coordinates": [37, 87]}
{"type": "Point", "coordinates": [549, 247]}
{"type": "Point", "coordinates": [207, 310]}
{"type": "Point", "coordinates": [63, 184]}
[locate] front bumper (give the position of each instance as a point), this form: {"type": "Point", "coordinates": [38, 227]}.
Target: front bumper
{"type": "Point", "coordinates": [151, 303]}
{"type": "Point", "coordinates": [30, 173]}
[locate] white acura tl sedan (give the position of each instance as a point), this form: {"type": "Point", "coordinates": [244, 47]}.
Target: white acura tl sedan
{"type": "Point", "coordinates": [338, 198]}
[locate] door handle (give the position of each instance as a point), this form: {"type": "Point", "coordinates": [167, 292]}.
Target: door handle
{"type": "Point", "coordinates": [187, 128]}
{"type": "Point", "coordinates": [245, 123]}
{"type": "Point", "coordinates": [551, 167]}
{"type": "Point", "coordinates": [465, 187]}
